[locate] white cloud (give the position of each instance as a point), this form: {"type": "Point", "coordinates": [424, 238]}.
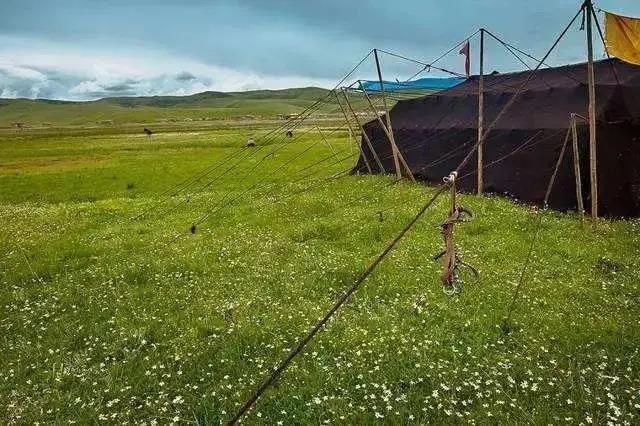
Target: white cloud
{"type": "Point", "coordinates": [9, 93]}
{"type": "Point", "coordinates": [86, 88]}
{"type": "Point", "coordinates": [17, 71]}
{"type": "Point", "coordinates": [32, 68]}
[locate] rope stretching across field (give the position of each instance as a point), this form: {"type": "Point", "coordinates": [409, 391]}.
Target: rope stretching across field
{"type": "Point", "coordinates": [252, 154]}
{"type": "Point", "coordinates": [197, 177]}
{"type": "Point", "coordinates": [507, 320]}
{"type": "Point", "coordinates": [175, 189]}
{"type": "Point", "coordinates": [299, 123]}
{"type": "Point", "coordinates": [219, 206]}
{"type": "Point", "coordinates": [336, 176]}
{"type": "Point", "coordinates": [255, 166]}
{"type": "Point", "coordinates": [343, 299]}
{"type": "Point", "coordinates": [345, 78]}
{"type": "Point", "coordinates": [261, 183]}
{"type": "Point", "coordinates": [317, 163]}
{"type": "Point", "coordinates": [269, 136]}
{"type": "Point", "coordinates": [420, 144]}
{"type": "Point", "coordinates": [169, 210]}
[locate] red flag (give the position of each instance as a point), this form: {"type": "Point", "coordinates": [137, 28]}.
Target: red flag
{"type": "Point", "coordinates": [467, 61]}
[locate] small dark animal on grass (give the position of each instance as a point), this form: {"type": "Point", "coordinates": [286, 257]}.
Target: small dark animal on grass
{"type": "Point", "coordinates": [148, 132]}
{"type": "Point", "coordinates": [289, 134]}
{"type": "Point", "coordinates": [250, 142]}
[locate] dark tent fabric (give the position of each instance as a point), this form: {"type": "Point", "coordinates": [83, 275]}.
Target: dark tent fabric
{"type": "Point", "coordinates": [435, 132]}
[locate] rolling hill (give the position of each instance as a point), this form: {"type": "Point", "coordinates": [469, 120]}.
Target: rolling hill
{"type": "Point", "coordinates": [258, 104]}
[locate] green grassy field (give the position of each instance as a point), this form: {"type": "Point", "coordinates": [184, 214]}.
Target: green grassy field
{"type": "Point", "coordinates": [109, 319]}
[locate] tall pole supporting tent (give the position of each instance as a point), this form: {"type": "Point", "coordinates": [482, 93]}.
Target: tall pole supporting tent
{"type": "Point", "coordinates": [481, 116]}
{"type": "Point", "coordinates": [593, 164]}
{"type": "Point", "coordinates": [394, 148]}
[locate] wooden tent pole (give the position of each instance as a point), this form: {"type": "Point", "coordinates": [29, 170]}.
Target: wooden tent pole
{"type": "Point", "coordinates": [364, 133]}
{"type": "Point", "coordinates": [576, 165]}
{"type": "Point", "coordinates": [593, 166]}
{"type": "Point", "coordinates": [388, 134]}
{"type": "Point", "coordinates": [352, 134]}
{"type": "Point", "coordinates": [394, 147]}
{"type": "Point", "coordinates": [481, 116]}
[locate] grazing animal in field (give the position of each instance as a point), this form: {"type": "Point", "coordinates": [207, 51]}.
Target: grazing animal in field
{"type": "Point", "coordinates": [250, 142]}
{"type": "Point", "coordinates": [289, 134]}
{"type": "Point", "coordinates": [148, 132]}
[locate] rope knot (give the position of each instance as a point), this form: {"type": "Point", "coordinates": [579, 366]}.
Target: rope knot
{"type": "Point", "coordinates": [451, 178]}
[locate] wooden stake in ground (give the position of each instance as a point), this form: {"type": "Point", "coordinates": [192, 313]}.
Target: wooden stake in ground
{"type": "Point", "coordinates": [593, 165]}
{"type": "Point", "coordinates": [576, 165]}
{"type": "Point", "coordinates": [481, 116]}
{"type": "Point", "coordinates": [397, 157]}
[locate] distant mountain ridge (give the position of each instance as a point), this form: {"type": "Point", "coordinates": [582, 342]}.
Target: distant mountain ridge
{"type": "Point", "coordinates": [171, 100]}
{"type": "Point", "coordinates": [208, 105]}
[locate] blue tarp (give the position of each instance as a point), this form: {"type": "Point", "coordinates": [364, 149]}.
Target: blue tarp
{"type": "Point", "coordinates": [427, 83]}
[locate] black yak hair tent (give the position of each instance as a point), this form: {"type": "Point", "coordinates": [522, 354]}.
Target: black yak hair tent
{"type": "Point", "coordinates": [435, 132]}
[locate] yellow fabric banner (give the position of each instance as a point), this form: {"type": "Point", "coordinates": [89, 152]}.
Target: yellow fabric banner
{"type": "Point", "coordinates": [622, 36]}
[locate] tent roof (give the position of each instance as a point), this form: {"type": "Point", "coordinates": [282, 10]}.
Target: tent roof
{"type": "Point", "coordinates": [546, 102]}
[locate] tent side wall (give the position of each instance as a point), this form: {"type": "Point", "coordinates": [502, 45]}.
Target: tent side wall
{"type": "Point", "coordinates": [520, 162]}
{"type": "Point", "coordinates": [618, 153]}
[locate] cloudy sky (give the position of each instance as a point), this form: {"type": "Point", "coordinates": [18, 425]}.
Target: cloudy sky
{"type": "Point", "coordinates": [87, 49]}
